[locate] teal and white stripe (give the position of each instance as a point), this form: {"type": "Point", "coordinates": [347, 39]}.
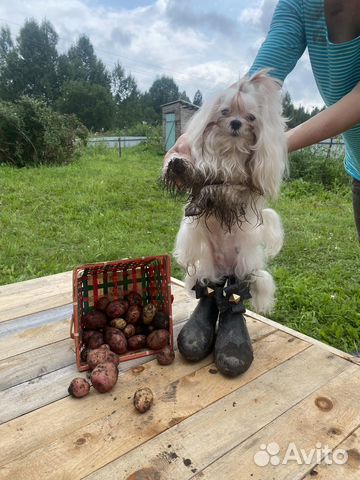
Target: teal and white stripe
{"type": "Point", "coordinates": [298, 24]}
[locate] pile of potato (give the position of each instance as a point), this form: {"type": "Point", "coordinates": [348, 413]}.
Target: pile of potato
{"type": "Point", "coordinates": [125, 325]}
{"type": "Point", "coordinates": [114, 328]}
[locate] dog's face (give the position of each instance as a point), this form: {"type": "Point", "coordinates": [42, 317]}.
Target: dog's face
{"type": "Point", "coordinates": [233, 120]}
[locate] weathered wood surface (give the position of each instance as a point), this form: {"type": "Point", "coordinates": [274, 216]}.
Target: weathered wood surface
{"type": "Point", "coordinates": [202, 425]}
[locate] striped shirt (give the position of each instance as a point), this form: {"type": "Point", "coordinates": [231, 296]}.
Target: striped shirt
{"type": "Point", "coordinates": [298, 24]}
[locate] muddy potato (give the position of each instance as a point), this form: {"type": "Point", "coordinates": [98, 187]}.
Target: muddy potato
{"type": "Point", "coordinates": [79, 387]}
{"type": "Point", "coordinates": [134, 298]}
{"type": "Point", "coordinates": [101, 355]}
{"type": "Point", "coordinates": [86, 334]}
{"type": "Point", "coordinates": [104, 376]}
{"type": "Point", "coordinates": [96, 340]}
{"type": "Point", "coordinates": [166, 356]}
{"type": "Point", "coordinates": [117, 308]}
{"type": "Point", "coordinates": [133, 314]}
{"type": "Point", "coordinates": [94, 320]}
{"type": "Point", "coordinates": [158, 339]}
{"type": "Point", "coordinates": [116, 340]}
{"type": "Point", "coordinates": [148, 313]}
{"type": "Point", "coordinates": [118, 323]}
{"type": "Point", "coordinates": [161, 321]}
{"type": "Point", "coordinates": [136, 341]}
{"type": "Point", "coordinates": [102, 304]}
{"type": "Point", "coordinates": [143, 399]}
{"type": "Point", "coordinates": [129, 330]}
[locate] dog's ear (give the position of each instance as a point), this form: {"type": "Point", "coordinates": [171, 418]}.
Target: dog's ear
{"type": "Point", "coordinates": [269, 161]}
{"type": "Point", "coordinates": [262, 78]}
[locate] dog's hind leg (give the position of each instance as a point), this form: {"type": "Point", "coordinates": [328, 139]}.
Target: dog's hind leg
{"type": "Point", "coordinates": [273, 234]}
{"type": "Point", "coordinates": [262, 289]}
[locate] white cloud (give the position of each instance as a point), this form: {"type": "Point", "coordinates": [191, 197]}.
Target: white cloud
{"type": "Point", "coordinates": [201, 47]}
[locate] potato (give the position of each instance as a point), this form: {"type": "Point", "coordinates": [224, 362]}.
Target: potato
{"type": "Point", "coordinates": [102, 303]}
{"type": "Point", "coordinates": [166, 356]}
{"type": "Point", "coordinates": [115, 339]}
{"type": "Point", "coordinates": [129, 330]}
{"type": "Point", "coordinates": [143, 399]}
{"type": "Point", "coordinates": [148, 313]}
{"type": "Point", "coordinates": [161, 321]}
{"type": "Point", "coordinates": [118, 323]}
{"type": "Point", "coordinates": [96, 340]}
{"type": "Point", "coordinates": [104, 376]}
{"type": "Point", "coordinates": [117, 308]}
{"type": "Point", "coordinates": [133, 314]}
{"type": "Point", "coordinates": [158, 339]}
{"type": "Point", "coordinates": [79, 387]}
{"type": "Point", "coordinates": [134, 298]}
{"type": "Point", "coordinates": [94, 320]}
{"type": "Point", "coordinates": [101, 355]}
{"type": "Point", "coordinates": [136, 341]}
{"type": "Point", "coordinates": [86, 334]}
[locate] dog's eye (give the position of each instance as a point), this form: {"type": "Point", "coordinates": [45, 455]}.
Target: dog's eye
{"type": "Point", "coordinates": [225, 111]}
{"type": "Point", "coordinates": [250, 117]}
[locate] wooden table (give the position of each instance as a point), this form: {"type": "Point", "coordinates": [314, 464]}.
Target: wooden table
{"type": "Point", "coordinates": [201, 426]}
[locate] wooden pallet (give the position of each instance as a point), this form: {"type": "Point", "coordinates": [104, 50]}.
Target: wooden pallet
{"type": "Point", "coordinates": [201, 426]}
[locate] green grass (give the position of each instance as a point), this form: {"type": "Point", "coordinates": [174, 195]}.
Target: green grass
{"type": "Point", "coordinates": [105, 208]}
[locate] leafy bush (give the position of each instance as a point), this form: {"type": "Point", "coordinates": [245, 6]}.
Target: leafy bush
{"type": "Point", "coordinates": [31, 133]}
{"type": "Point", "coordinates": [318, 169]}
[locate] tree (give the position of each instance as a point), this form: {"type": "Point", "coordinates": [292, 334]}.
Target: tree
{"type": "Point", "coordinates": [163, 90]}
{"type": "Point", "coordinates": [81, 64]}
{"type": "Point", "coordinates": [198, 99]}
{"type": "Point", "coordinates": [29, 67]}
{"type": "Point", "coordinates": [126, 96]}
{"type": "Point", "coordinates": [184, 97]}
{"type": "Point", "coordinates": [91, 103]}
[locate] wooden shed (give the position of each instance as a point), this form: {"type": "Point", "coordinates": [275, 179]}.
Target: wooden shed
{"type": "Point", "coordinates": [175, 116]}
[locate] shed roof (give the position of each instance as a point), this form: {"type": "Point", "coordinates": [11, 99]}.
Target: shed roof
{"type": "Point", "coordinates": [183, 102]}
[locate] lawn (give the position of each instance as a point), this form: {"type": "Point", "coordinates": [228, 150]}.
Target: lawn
{"type": "Point", "coordinates": [102, 207]}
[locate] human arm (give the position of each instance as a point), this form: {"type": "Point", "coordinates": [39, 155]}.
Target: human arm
{"type": "Point", "coordinates": [285, 41]}
{"type": "Point", "coordinates": [338, 118]}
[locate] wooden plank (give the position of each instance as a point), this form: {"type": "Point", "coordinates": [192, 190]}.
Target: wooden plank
{"type": "Point", "coordinates": [58, 430]}
{"type": "Point", "coordinates": [36, 363]}
{"type": "Point", "coordinates": [34, 338]}
{"type": "Point", "coordinates": [324, 418]}
{"type": "Point", "coordinates": [232, 419]}
{"type": "Point", "coordinates": [31, 296]}
{"type": "Point", "coordinates": [40, 294]}
{"type": "Point", "coordinates": [49, 380]}
{"type": "Point", "coordinates": [35, 331]}
{"type": "Point", "coordinates": [306, 338]}
{"type": "Point", "coordinates": [349, 470]}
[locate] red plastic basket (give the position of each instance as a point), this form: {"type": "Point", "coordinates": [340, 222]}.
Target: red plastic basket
{"type": "Point", "coordinates": [148, 276]}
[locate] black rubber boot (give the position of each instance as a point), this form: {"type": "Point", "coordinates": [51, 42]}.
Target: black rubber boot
{"type": "Point", "coordinates": [233, 349]}
{"type": "Point", "coordinates": [196, 338]}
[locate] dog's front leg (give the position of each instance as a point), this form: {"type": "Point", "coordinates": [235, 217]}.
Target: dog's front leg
{"type": "Point", "coordinates": [180, 175]}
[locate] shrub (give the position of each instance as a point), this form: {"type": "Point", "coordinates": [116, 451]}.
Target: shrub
{"type": "Point", "coordinates": [31, 133]}
{"type": "Point", "coordinates": [318, 168]}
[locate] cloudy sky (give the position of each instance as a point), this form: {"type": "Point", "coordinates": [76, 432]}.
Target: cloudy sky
{"type": "Point", "coordinates": [203, 44]}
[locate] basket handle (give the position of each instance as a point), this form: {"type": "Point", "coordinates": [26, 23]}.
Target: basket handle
{"type": "Point", "coordinates": [72, 327]}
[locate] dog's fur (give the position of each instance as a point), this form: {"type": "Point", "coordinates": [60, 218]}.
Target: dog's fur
{"type": "Point", "coordinates": [226, 229]}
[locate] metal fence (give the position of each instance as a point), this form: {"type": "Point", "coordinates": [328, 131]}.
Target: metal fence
{"type": "Point", "coordinates": [116, 142]}
{"type": "Point", "coordinates": [333, 147]}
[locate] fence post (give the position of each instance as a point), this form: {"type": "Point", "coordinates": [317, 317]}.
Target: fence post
{"type": "Point", "coordinates": [120, 152]}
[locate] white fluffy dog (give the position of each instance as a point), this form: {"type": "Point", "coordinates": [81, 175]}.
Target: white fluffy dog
{"type": "Point", "coordinates": [238, 159]}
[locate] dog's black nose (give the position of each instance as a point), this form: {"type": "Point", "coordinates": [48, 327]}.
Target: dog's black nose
{"type": "Point", "coordinates": [235, 124]}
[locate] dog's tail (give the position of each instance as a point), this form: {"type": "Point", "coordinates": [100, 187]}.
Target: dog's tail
{"type": "Point", "coordinates": [273, 233]}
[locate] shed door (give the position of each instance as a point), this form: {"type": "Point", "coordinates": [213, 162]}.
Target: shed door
{"type": "Point", "coordinates": [169, 130]}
